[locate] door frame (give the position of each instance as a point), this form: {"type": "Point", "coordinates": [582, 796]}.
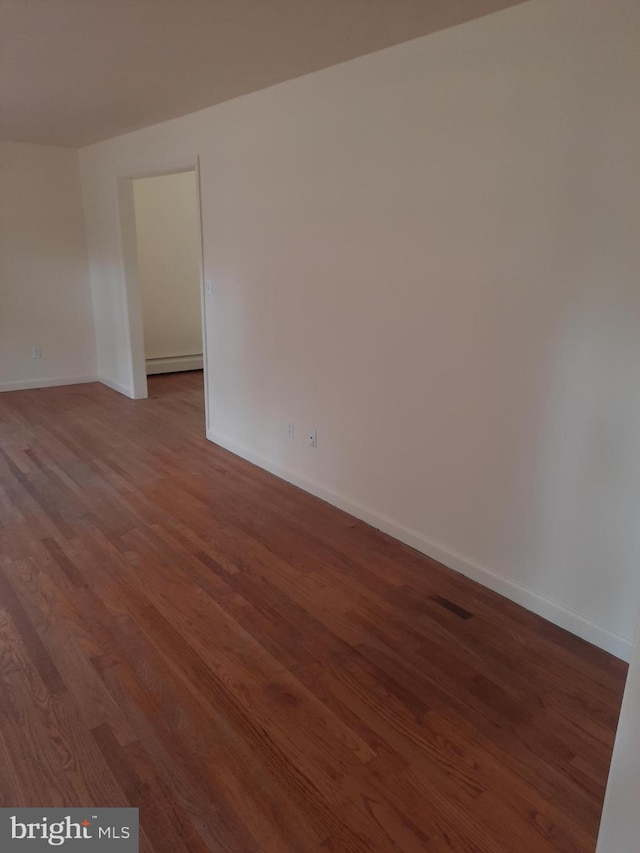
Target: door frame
{"type": "Point", "coordinates": [133, 302]}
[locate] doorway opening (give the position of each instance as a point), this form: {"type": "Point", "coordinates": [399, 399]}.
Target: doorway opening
{"type": "Point", "coordinates": [162, 249]}
{"type": "Point", "coordinates": [168, 254]}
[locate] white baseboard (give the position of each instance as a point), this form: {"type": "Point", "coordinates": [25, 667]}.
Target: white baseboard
{"type": "Point", "coordinates": [116, 386]}
{"type": "Point", "coordinates": [46, 383]}
{"type": "Point", "coordinates": [556, 613]}
{"type": "Point", "coordinates": [173, 363]}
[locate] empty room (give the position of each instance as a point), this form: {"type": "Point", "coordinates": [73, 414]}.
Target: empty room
{"type": "Point", "coordinates": [319, 426]}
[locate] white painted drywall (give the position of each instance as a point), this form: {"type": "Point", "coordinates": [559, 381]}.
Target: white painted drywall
{"type": "Point", "coordinates": [620, 825]}
{"type": "Point", "coordinates": [430, 255]}
{"type": "Point", "coordinates": [45, 297]}
{"type": "Point", "coordinates": [168, 264]}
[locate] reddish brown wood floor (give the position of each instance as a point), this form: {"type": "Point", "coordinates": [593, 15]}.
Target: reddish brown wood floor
{"type": "Point", "coordinates": [257, 671]}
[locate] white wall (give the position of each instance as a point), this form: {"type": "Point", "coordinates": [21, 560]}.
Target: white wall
{"type": "Point", "coordinates": [430, 255]}
{"type": "Point", "coordinates": [168, 256]}
{"type": "Point", "coordinates": [620, 825]}
{"type": "Point", "coordinates": [45, 297]}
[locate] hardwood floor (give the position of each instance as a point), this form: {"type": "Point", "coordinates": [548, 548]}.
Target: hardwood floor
{"type": "Point", "coordinates": [258, 671]}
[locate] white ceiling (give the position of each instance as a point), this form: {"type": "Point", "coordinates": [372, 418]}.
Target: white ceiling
{"type": "Point", "coordinates": [73, 72]}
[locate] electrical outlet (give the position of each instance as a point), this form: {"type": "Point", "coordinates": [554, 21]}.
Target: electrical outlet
{"type": "Point", "coordinates": [312, 437]}
{"type": "Point", "coordinates": [289, 429]}
{"type": "Point", "coordinates": [36, 352]}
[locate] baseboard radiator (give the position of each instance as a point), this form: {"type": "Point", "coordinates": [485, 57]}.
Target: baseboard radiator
{"type": "Point", "coordinates": [173, 363]}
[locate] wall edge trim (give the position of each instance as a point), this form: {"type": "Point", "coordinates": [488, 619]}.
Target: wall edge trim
{"type": "Point", "coordinates": [46, 382]}
{"type": "Point", "coordinates": [116, 386]}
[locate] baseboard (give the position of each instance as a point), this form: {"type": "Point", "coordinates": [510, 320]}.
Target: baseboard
{"type": "Point", "coordinates": [556, 613]}
{"type": "Point", "coordinates": [173, 364]}
{"type": "Point", "coordinates": [116, 386]}
{"type": "Point", "coordinates": [46, 383]}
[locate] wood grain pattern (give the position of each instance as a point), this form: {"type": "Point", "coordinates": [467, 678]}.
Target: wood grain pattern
{"type": "Point", "coordinates": [258, 671]}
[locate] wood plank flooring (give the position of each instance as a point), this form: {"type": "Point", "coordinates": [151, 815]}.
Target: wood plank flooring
{"type": "Point", "coordinates": [258, 671]}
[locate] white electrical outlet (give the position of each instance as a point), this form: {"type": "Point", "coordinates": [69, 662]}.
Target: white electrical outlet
{"type": "Point", "coordinates": [312, 437]}
{"type": "Point", "coordinates": [36, 352]}
{"type": "Point", "coordinates": [289, 429]}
